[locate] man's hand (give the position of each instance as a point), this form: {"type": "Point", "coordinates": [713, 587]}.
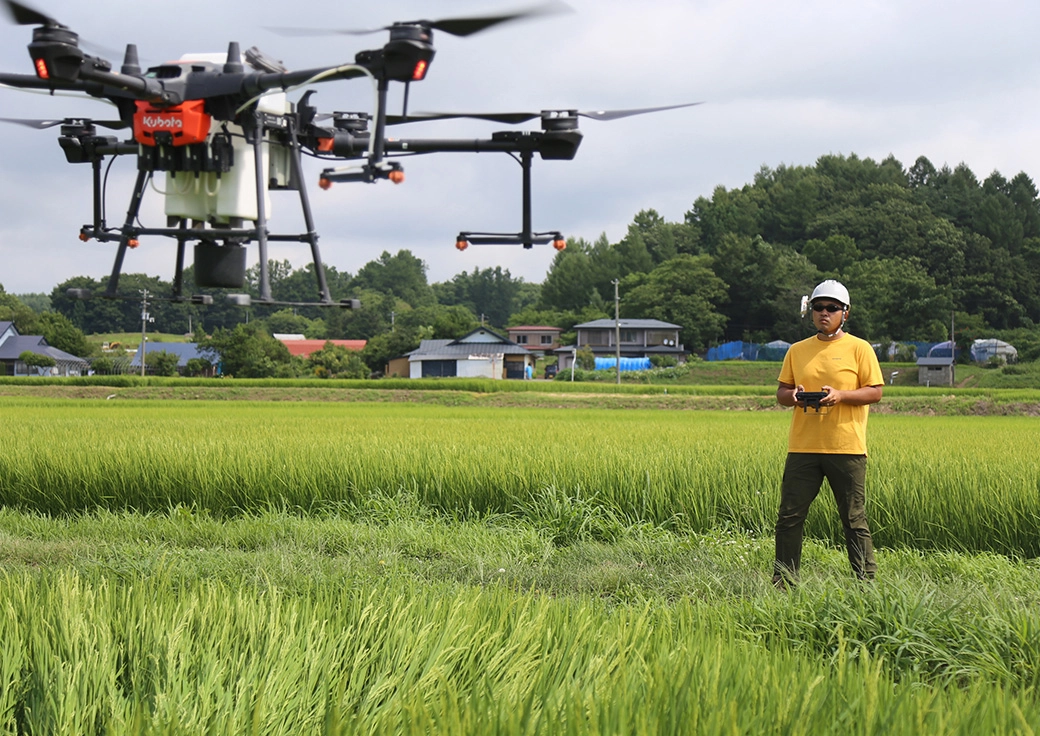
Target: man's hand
{"type": "Point", "coordinates": [785, 394]}
{"type": "Point", "coordinates": [856, 397]}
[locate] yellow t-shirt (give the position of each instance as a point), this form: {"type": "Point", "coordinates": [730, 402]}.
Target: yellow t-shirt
{"type": "Point", "coordinates": [846, 364]}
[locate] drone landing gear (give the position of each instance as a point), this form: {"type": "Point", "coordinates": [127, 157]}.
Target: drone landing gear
{"type": "Point", "coordinates": [525, 238]}
{"type": "Point", "coordinates": [220, 253]}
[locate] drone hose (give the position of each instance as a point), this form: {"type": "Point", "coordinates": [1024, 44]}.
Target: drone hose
{"type": "Point", "coordinates": [317, 78]}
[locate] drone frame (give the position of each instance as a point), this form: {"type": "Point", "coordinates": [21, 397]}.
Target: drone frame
{"type": "Point", "coordinates": [80, 136]}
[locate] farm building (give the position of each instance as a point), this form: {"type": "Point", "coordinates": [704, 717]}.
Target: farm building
{"type": "Point", "coordinates": [478, 354]}
{"type": "Point", "coordinates": [640, 338]}
{"type": "Point", "coordinates": [935, 371]}
{"type": "Point", "coordinates": [984, 350]}
{"type": "Point", "coordinates": [12, 345]}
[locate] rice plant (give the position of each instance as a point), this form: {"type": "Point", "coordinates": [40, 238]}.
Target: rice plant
{"type": "Point", "coordinates": [178, 655]}
{"type": "Point", "coordinates": [963, 483]}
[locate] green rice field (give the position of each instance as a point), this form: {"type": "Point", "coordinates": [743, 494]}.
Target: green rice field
{"type": "Point", "coordinates": [316, 567]}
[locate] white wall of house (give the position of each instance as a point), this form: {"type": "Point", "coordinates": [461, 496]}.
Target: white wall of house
{"type": "Point", "coordinates": [479, 366]}
{"type": "Point", "coordinates": [475, 366]}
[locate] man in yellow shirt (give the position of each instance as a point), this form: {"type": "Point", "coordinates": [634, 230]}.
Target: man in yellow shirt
{"type": "Point", "coordinates": [828, 439]}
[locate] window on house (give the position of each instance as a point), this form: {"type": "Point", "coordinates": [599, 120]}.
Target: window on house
{"type": "Point", "coordinates": [546, 339]}
{"type": "Point", "coordinates": [521, 339]}
{"type": "Point", "coordinates": [661, 337]}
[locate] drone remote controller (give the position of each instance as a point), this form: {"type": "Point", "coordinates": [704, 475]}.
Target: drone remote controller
{"type": "Point", "coordinates": [810, 398]}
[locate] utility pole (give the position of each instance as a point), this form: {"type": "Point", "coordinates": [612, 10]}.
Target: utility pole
{"type": "Point", "coordinates": [145, 319]}
{"type": "Point", "coordinates": [617, 330]}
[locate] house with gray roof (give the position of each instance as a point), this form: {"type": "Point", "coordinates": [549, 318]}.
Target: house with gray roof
{"type": "Point", "coordinates": [640, 338]}
{"type": "Point", "coordinates": [184, 351]}
{"type": "Point", "coordinates": [12, 345]}
{"type": "Point", "coordinates": [481, 353]}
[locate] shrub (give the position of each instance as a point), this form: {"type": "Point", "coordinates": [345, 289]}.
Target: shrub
{"type": "Point", "coordinates": [162, 363]}
{"type": "Point", "coordinates": [36, 360]}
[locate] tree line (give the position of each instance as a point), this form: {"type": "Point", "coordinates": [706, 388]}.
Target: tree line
{"type": "Point", "coordinates": [917, 247]}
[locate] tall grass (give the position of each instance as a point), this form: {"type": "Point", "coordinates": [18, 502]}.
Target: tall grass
{"type": "Point", "coordinates": [168, 655]}
{"type": "Point", "coordinates": [944, 482]}
{"type": "Point", "coordinates": [1015, 388]}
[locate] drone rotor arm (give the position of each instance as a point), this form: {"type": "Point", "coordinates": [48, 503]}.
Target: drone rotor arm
{"type": "Point", "coordinates": [137, 87]}
{"type": "Point", "coordinates": [31, 81]}
{"type": "Point", "coordinates": [258, 83]}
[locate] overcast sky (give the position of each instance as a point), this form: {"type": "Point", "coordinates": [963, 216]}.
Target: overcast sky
{"type": "Point", "coordinates": [783, 82]}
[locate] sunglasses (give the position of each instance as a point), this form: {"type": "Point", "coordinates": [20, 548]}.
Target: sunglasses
{"type": "Point", "coordinates": [832, 308]}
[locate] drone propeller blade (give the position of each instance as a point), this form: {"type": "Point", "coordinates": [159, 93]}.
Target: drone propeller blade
{"type": "Point", "coordinates": [606, 115]}
{"type": "Point", "coordinates": [515, 118]}
{"type": "Point", "coordinates": [42, 124]}
{"type": "Point", "coordinates": [466, 26]}
{"type": "Point", "coordinates": [23, 15]}
{"type": "Point", "coordinates": [289, 31]}
{"type": "Point", "coordinates": [475, 24]}
{"type": "Point", "coordinates": [506, 118]}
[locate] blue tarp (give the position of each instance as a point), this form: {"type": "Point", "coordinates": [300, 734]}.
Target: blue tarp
{"type": "Point", "coordinates": [738, 350]}
{"type": "Point", "coordinates": [727, 351]}
{"type": "Point", "coordinates": [627, 364]}
{"type": "Point", "coordinates": [942, 350]}
{"type": "Point", "coordinates": [775, 350]}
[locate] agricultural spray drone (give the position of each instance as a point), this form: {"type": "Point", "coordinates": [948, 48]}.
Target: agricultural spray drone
{"type": "Point", "coordinates": [222, 132]}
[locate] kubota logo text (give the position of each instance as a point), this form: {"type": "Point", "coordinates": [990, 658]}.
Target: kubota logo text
{"type": "Point", "coordinates": [156, 121]}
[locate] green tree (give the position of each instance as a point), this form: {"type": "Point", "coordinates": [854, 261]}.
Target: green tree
{"type": "Point", "coordinates": [569, 285]}
{"type": "Point", "coordinates": [37, 302]}
{"type": "Point", "coordinates": [441, 322]}
{"type": "Point", "coordinates": [60, 333]}
{"type": "Point", "coordinates": [36, 360]}
{"type": "Point", "coordinates": [794, 196]}
{"type": "Point", "coordinates": [920, 175]}
{"type": "Point", "coordinates": [896, 299]}
{"type": "Point", "coordinates": [382, 348]}
{"type": "Point", "coordinates": [247, 351]}
{"type": "Point", "coordinates": [736, 212]}
{"type": "Point", "coordinates": [286, 321]}
{"type": "Point", "coordinates": [684, 291]}
{"type": "Point", "coordinates": [300, 285]}
{"type": "Point", "coordinates": [335, 361]}
{"type": "Point", "coordinates": [377, 313]}
{"type": "Point", "coordinates": [161, 363]}
{"type": "Point", "coordinates": [663, 240]}
{"type": "Point", "coordinates": [103, 366]}
{"type": "Point", "coordinates": [92, 316]}
{"type": "Point", "coordinates": [833, 254]}
{"type": "Point", "coordinates": [795, 276]}
{"type": "Point", "coordinates": [493, 293]}
{"type": "Point", "coordinates": [197, 367]}
{"type": "Point", "coordinates": [13, 310]}
{"type": "Point", "coordinates": [402, 275]}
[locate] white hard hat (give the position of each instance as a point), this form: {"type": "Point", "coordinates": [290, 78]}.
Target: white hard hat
{"type": "Point", "coordinates": [831, 289]}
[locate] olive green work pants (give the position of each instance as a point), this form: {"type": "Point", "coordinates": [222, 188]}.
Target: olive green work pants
{"type": "Point", "coordinates": [803, 477]}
